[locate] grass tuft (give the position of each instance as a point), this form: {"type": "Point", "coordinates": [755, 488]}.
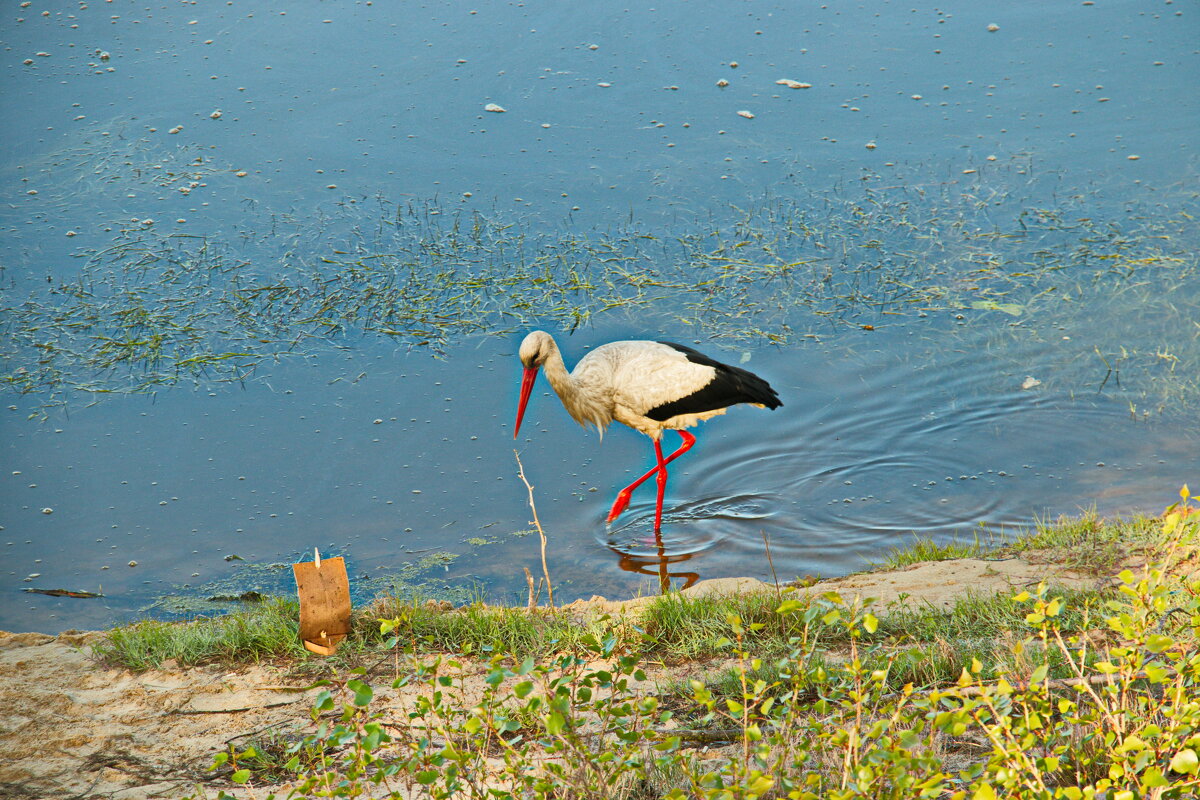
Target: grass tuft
{"type": "Point", "coordinates": [1090, 544]}
{"type": "Point", "coordinates": [269, 629]}
{"type": "Point", "coordinates": [923, 549]}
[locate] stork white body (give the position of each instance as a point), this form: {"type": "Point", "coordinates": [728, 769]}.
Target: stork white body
{"type": "Point", "coordinates": [649, 386]}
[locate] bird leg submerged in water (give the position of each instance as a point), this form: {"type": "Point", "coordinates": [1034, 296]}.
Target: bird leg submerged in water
{"type": "Point", "coordinates": [622, 501]}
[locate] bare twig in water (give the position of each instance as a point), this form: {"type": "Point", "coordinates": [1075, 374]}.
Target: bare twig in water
{"type": "Point", "coordinates": [537, 524]}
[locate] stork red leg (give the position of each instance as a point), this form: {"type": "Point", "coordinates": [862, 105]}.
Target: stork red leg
{"type": "Point", "coordinates": [662, 486]}
{"type": "Point", "coordinates": [622, 501]}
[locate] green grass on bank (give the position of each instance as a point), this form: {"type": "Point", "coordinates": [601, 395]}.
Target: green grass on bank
{"type": "Point", "coordinates": [672, 628]}
{"type": "Point", "coordinates": [1086, 543]}
{"type": "Point", "coordinates": [923, 548]}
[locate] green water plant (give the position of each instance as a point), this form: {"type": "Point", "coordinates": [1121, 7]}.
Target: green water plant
{"type": "Point", "coordinates": [149, 310]}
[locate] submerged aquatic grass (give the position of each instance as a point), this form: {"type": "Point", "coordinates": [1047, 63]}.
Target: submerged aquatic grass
{"type": "Point", "coordinates": [150, 310]}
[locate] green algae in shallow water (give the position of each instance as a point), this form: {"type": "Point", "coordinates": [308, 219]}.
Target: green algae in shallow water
{"type": "Point", "coordinates": [152, 310]}
{"type": "Point", "coordinates": [252, 583]}
{"type": "Point", "coordinates": [248, 583]}
{"type": "Point", "coordinates": [414, 580]}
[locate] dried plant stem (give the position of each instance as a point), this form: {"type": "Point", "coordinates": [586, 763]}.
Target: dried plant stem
{"type": "Point", "coordinates": [532, 604]}
{"type": "Point", "coordinates": [771, 562]}
{"type": "Point", "coordinates": [537, 524]}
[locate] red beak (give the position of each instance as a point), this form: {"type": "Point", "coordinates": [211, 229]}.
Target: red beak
{"type": "Point", "coordinates": [526, 388]}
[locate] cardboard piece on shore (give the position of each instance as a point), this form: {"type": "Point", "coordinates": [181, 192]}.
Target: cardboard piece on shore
{"type": "Point", "coordinates": [324, 591]}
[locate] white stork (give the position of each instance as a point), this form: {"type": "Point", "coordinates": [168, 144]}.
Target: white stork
{"type": "Point", "coordinates": [649, 386]}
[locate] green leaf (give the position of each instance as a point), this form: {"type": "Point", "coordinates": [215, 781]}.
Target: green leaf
{"type": "Point", "coordinates": [669, 744]}
{"type": "Point", "coordinates": [984, 792]}
{"type": "Point", "coordinates": [1156, 672]}
{"type": "Point", "coordinates": [870, 623]}
{"type": "Point", "coordinates": [240, 777]}
{"type": "Point", "coordinates": [1132, 742]}
{"type": "Point", "coordinates": [760, 785]}
{"type": "Point", "coordinates": [555, 724]}
{"type": "Point", "coordinates": [1153, 778]}
{"type": "Point", "coordinates": [362, 692]}
{"type": "Point", "coordinates": [1156, 642]}
{"type": "Point", "coordinates": [522, 689]}
{"type": "Point", "coordinates": [1185, 761]}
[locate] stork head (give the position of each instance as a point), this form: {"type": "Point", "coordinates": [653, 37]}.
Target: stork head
{"type": "Point", "coordinates": [534, 351]}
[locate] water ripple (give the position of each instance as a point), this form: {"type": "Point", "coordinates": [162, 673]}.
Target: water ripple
{"type": "Point", "coordinates": [861, 458]}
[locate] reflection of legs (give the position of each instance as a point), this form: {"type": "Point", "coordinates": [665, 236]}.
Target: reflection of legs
{"type": "Point", "coordinates": [622, 501]}
{"type": "Point", "coordinates": [658, 565]}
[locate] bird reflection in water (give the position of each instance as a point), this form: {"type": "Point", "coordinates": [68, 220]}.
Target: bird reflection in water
{"type": "Point", "coordinates": [657, 565]}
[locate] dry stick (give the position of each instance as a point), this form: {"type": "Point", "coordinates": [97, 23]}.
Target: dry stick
{"type": "Point", "coordinates": [532, 604]}
{"type": "Point", "coordinates": [771, 561]}
{"type": "Point", "coordinates": [238, 710]}
{"type": "Point", "coordinates": [537, 524]}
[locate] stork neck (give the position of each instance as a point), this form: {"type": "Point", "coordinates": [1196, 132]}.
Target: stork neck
{"type": "Point", "coordinates": [556, 372]}
{"type": "Point", "coordinates": [584, 401]}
